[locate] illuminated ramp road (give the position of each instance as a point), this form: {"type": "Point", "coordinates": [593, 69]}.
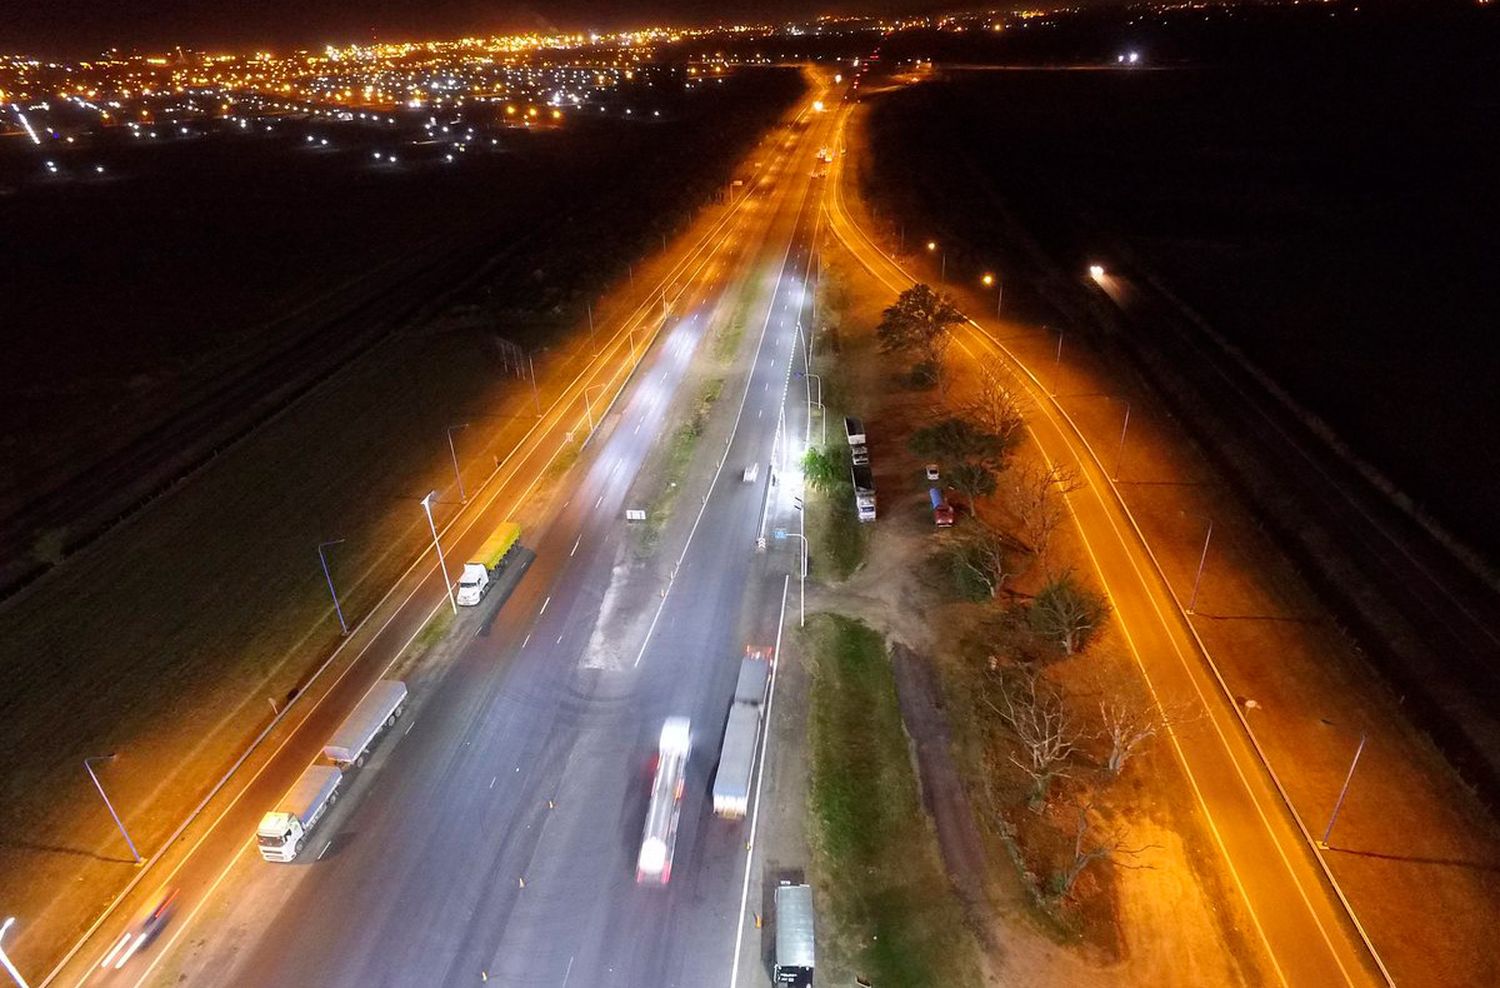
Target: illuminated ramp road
{"type": "Point", "coordinates": [496, 841]}
{"type": "Point", "coordinates": [1298, 914]}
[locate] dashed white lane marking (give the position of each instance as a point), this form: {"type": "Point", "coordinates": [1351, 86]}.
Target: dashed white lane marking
{"type": "Point", "coordinates": [575, 544]}
{"type": "Point", "coordinates": [544, 606]}
{"type": "Point", "coordinates": [325, 850]}
{"type": "Point", "coordinates": [410, 724]}
{"type": "Point", "coordinates": [493, 781]}
{"type": "Point", "coordinates": [635, 430]}
{"type": "Point", "coordinates": [525, 640]}
{"type": "Point", "coordinates": [600, 501]}
{"type": "Point", "coordinates": [559, 639]}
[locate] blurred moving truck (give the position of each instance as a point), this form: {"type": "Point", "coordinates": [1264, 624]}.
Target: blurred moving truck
{"type": "Point", "coordinates": [381, 708]}
{"type": "Point", "coordinates": [284, 830]}
{"type": "Point", "coordinates": [746, 712]}
{"type": "Point", "coordinates": [654, 864]}
{"type": "Point", "coordinates": [478, 575]}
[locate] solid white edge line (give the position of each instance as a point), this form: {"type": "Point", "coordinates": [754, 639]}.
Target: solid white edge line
{"type": "Point", "coordinates": [760, 778]}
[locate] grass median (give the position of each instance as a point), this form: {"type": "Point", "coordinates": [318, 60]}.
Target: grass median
{"type": "Point", "coordinates": [890, 915]}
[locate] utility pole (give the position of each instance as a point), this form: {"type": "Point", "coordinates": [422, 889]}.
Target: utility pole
{"type": "Point", "coordinates": [1343, 792]}
{"type": "Point", "coordinates": [1198, 580]}
{"type": "Point", "coordinates": [442, 563]}
{"type": "Point", "coordinates": [1120, 453]}
{"type": "Point", "coordinates": [453, 452]}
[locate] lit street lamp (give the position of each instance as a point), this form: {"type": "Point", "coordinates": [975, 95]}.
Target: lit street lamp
{"type": "Point", "coordinates": [1096, 271]}
{"type": "Point", "coordinates": [442, 563]}
{"type": "Point", "coordinates": [453, 452]}
{"type": "Point", "coordinates": [990, 280]}
{"type": "Point", "coordinates": [107, 804]}
{"type": "Point", "coordinates": [933, 247]}
{"type": "Point", "coordinates": [5, 960]}
{"type": "Point", "coordinates": [333, 593]}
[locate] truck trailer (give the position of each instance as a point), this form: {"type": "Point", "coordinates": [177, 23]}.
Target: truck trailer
{"type": "Point", "coordinates": [481, 573]}
{"type": "Point", "coordinates": [284, 830]}
{"type": "Point", "coordinates": [736, 769]}
{"type": "Point", "coordinates": [381, 708]}
{"type": "Point", "coordinates": [794, 936]}
{"type": "Point", "coordinates": [854, 429]}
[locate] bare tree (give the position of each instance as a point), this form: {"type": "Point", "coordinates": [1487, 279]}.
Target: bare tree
{"type": "Point", "coordinates": [1067, 613]}
{"type": "Point", "coordinates": [996, 407]}
{"type": "Point", "coordinates": [1086, 851]}
{"type": "Point", "coordinates": [1037, 500]}
{"type": "Point", "coordinates": [1127, 727]}
{"type": "Point", "coordinates": [1035, 713]}
{"type": "Point", "coordinates": [982, 559]}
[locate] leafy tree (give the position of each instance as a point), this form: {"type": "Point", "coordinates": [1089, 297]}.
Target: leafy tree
{"type": "Point", "coordinates": [920, 321]}
{"type": "Point", "coordinates": [825, 468]}
{"type": "Point", "coordinates": [1067, 613]}
{"type": "Point", "coordinates": [955, 440]}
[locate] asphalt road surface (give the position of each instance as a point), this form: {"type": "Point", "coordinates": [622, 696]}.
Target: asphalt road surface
{"type": "Point", "coordinates": [493, 837]}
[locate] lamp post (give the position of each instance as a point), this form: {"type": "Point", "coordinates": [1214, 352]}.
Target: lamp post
{"type": "Point", "coordinates": [822, 412]}
{"type": "Point", "coordinates": [442, 563]}
{"type": "Point", "coordinates": [587, 407]}
{"type": "Point", "coordinates": [535, 396]}
{"type": "Point", "coordinates": [932, 246]}
{"type": "Point", "coordinates": [990, 280]}
{"type": "Point", "coordinates": [782, 533]}
{"type": "Point", "coordinates": [5, 961]}
{"type": "Point", "coordinates": [331, 592]}
{"type": "Point", "coordinates": [453, 451]}
{"type": "Point", "coordinates": [107, 804]}
{"type": "Point", "coordinates": [1198, 580]}
{"type": "Point", "coordinates": [1120, 453]}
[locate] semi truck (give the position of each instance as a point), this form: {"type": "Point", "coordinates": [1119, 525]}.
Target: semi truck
{"type": "Point", "coordinates": [864, 491]}
{"type": "Point", "coordinates": [380, 708]}
{"type": "Point", "coordinates": [942, 511]}
{"type": "Point", "coordinates": [794, 936]}
{"type": "Point", "coordinates": [741, 734]}
{"type": "Point", "coordinates": [654, 864]}
{"type": "Point", "coordinates": [283, 831]}
{"type": "Point", "coordinates": [481, 573]}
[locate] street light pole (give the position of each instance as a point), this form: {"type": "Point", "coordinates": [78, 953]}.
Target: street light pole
{"type": "Point", "coordinates": [822, 412]}
{"type": "Point", "coordinates": [453, 452]}
{"type": "Point", "coordinates": [1198, 580]}
{"type": "Point", "coordinates": [442, 563]}
{"type": "Point", "coordinates": [331, 592]}
{"type": "Point", "coordinates": [1120, 453]}
{"type": "Point", "coordinates": [1343, 792]}
{"type": "Point", "coordinates": [587, 406]}
{"type": "Point", "coordinates": [535, 396]}
{"type": "Point", "coordinates": [107, 804]}
{"type": "Point", "coordinates": [5, 961]}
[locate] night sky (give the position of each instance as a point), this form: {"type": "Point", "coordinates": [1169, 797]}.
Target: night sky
{"type": "Point", "coordinates": [83, 27]}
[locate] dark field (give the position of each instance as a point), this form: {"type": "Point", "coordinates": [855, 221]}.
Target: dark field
{"type": "Point", "coordinates": [1319, 185]}
{"type": "Point", "coordinates": [198, 262]}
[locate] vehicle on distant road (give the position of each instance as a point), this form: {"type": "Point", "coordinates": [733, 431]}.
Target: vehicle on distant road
{"type": "Point", "coordinates": [283, 831]}
{"type": "Point", "coordinates": [746, 713]}
{"type": "Point", "coordinates": [751, 472]}
{"type": "Point", "coordinates": [854, 429]}
{"type": "Point", "coordinates": [794, 936]}
{"type": "Point", "coordinates": [380, 708]}
{"type": "Point", "coordinates": [654, 863]}
{"type": "Point", "coordinates": [932, 473]}
{"type": "Point", "coordinates": [139, 936]}
{"type": "Point", "coordinates": [482, 572]}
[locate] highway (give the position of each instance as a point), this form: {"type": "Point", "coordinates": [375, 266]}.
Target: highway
{"type": "Point", "coordinates": [492, 839]}
{"type": "Point", "coordinates": [1298, 914]}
